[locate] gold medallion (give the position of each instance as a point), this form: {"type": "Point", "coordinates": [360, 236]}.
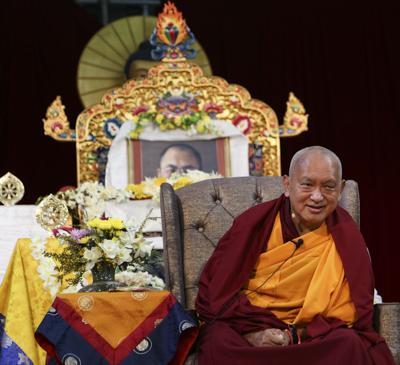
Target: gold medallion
{"type": "Point", "coordinates": [51, 213]}
{"type": "Point", "coordinates": [11, 189]}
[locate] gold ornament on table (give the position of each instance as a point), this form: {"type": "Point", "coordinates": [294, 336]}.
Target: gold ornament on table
{"type": "Point", "coordinates": [51, 213]}
{"type": "Point", "coordinates": [11, 189]}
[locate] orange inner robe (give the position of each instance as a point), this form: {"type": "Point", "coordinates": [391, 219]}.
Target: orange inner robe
{"type": "Point", "coordinates": [311, 282]}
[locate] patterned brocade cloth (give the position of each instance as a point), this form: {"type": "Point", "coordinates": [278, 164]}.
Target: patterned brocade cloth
{"type": "Point", "coordinates": [143, 327]}
{"type": "Point", "coordinates": [24, 301]}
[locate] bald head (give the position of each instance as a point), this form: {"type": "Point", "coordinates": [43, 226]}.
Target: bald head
{"type": "Point", "coordinates": [302, 155]}
{"type": "Point", "coordinates": [313, 187]}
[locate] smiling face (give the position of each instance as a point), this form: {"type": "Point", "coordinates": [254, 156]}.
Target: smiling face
{"type": "Point", "coordinates": [314, 188]}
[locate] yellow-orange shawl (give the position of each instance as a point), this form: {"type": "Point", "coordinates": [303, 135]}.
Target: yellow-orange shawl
{"type": "Point", "coordinates": [310, 282]}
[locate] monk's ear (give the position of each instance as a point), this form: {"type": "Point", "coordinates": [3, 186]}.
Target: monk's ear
{"type": "Point", "coordinates": [286, 185]}
{"type": "Point", "coordinates": [343, 184]}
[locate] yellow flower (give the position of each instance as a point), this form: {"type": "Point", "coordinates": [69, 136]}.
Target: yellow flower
{"type": "Point", "coordinates": [159, 118]}
{"type": "Point", "coordinates": [201, 127]}
{"type": "Point", "coordinates": [163, 127]}
{"type": "Point", "coordinates": [178, 121]}
{"type": "Point", "coordinates": [158, 181]}
{"type": "Point", "coordinates": [137, 190]}
{"type": "Point", "coordinates": [53, 246]}
{"type": "Point", "coordinates": [206, 118]}
{"type": "Point", "coordinates": [84, 240]}
{"type": "Point", "coordinates": [116, 223]}
{"type": "Point", "coordinates": [64, 282]}
{"type": "Point", "coordinates": [135, 118]}
{"type": "Point", "coordinates": [94, 223]}
{"type": "Point", "coordinates": [181, 182]}
{"type": "Point", "coordinates": [104, 224]}
{"type": "Point", "coordinates": [133, 134]}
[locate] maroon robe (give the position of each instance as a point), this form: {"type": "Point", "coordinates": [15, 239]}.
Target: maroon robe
{"type": "Point", "coordinates": [229, 315]}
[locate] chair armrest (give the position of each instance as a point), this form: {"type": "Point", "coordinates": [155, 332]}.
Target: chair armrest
{"type": "Point", "coordinates": [387, 324]}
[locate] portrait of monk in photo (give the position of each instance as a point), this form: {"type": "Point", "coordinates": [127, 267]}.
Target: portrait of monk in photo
{"type": "Point", "coordinates": [179, 158]}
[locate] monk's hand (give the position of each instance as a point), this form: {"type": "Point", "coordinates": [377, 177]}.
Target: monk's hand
{"type": "Point", "coordinates": [268, 337]}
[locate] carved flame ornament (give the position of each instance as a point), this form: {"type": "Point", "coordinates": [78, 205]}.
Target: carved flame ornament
{"type": "Point", "coordinates": [171, 27]}
{"type": "Point", "coordinates": [295, 120]}
{"type": "Point", "coordinates": [51, 213]}
{"type": "Point", "coordinates": [171, 36]}
{"type": "Point", "coordinates": [11, 189]}
{"type": "Point", "coordinates": [56, 124]}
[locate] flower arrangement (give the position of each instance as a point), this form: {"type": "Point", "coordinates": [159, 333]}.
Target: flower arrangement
{"type": "Point", "coordinates": [150, 187]}
{"type": "Point", "coordinates": [176, 109]}
{"type": "Point", "coordinates": [105, 242]}
{"type": "Point", "coordinates": [194, 123]}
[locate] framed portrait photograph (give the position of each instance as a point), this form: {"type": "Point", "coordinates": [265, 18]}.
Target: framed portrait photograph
{"type": "Point", "coordinates": [163, 158]}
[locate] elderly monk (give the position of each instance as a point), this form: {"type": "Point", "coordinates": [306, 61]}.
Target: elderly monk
{"type": "Point", "coordinates": [291, 281]}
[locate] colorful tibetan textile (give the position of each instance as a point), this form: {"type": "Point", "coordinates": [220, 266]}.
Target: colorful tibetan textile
{"type": "Point", "coordinates": [117, 328]}
{"type": "Point", "coordinates": [24, 301]}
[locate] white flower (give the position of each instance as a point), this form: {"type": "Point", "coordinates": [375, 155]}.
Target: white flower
{"type": "Point", "coordinates": [46, 267]}
{"type": "Point", "coordinates": [150, 188]}
{"type": "Point", "coordinates": [139, 279]}
{"type": "Point", "coordinates": [127, 238]}
{"type": "Point", "coordinates": [48, 273]}
{"type": "Point", "coordinates": [110, 248]}
{"type": "Point", "coordinates": [73, 288]}
{"type": "Point", "coordinates": [95, 210]}
{"type": "Point", "coordinates": [124, 255]}
{"type": "Point", "coordinates": [151, 185]}
{"type": "Point", "coordinates": [92, 256]}
{"type": "Point", "coordinates": [142, 247]}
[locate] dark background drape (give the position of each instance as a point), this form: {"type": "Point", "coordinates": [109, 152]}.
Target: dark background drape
{"type": "Point", "coordinates": [341, 61]}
